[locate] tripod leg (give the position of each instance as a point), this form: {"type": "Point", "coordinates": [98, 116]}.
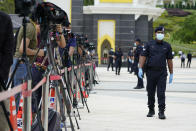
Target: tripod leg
{"type": "Point", "coordinates": [6, 115]}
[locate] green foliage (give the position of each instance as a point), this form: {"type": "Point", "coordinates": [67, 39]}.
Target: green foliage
{"type": "Point", "coordinates": [188, 6]}
{"type": "Point", "coordinates": [177, 5]}
{"type": "Point", "coordinates": [180, 5]}
{"type": "Point", "coordinates": [88, 2]}
{"type": "Point", "coordinates": [172, 6]}
{"type": "Point", "coordinates": [173, 25]}
{"type": "Point", "coordinates": [169, 6]}
{"type": "Point", "coordinates": [165, 6]}
{"type": "Point", "coordinates": [187, 32]}
{"type": "Point", "coordinates": [7, 6]}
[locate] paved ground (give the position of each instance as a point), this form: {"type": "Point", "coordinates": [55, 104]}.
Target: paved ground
{"type": "Point", "coordinates": [115, 106]}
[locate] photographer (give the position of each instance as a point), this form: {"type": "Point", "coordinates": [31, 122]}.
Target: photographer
{"type": "Point", "coordinates": [32, 29]}
{"type": "Point", "coordinates": [6, 59]}
{"type": "Point", "coordinates": [40, 65]}
{"type": "Point", "coordinates": [67, 52]}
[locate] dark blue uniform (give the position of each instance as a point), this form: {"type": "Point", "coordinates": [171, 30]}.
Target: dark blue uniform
{"type": "Point", "coordinates": [118, 61]}
{"type": "Point", "coordinates": [157, 54]}
{"type": "Point", "coordinates": [111, 54]}
{"type": "Point", "coordinates": [138, 52]}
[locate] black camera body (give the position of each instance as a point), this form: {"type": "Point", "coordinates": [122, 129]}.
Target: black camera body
{"type": "Point", "coordinates": [51, 14]}
{"type": "Point", "coordinates": [24, 7]}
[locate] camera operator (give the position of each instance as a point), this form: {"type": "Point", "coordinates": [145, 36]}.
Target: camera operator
{"type": "Point", "coordinates": [32, 29]}
{"type": "Point", "coordinates": [6, 59]}
{"type": "Point", "coordinates": [40, 65]}
{"type": "Point", "coordinates": [67, 52]}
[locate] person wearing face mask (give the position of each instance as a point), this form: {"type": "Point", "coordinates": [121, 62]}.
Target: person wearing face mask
{"type": "Point", "coordinates": [158, 54]}
{"type": "Point", "coordinates": [137, 54]}
{"type": "Point", "coordinates": [111, 56]}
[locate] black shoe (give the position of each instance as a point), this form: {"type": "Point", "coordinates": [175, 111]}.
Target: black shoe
{"type": "Point", "coordinates": [138, 87]}
{"type": "Point", "coordinates": [161, 115]}
{"type": "Point", "coordinates": [151, 113]}
{"type": "Point", "coordinates": [141, 87]}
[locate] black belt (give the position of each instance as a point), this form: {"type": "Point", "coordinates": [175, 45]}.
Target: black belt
{"type": "Point", "coordinates": [156, 68]}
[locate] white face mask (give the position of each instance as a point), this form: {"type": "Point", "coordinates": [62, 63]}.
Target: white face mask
{"type": "Point", "coordinates": [135, 44]}
{"type": "Point", "coordinates": [160, 36]}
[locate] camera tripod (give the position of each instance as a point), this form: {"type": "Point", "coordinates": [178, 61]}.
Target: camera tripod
{"type": "Point", "coordinates": [24, 59]}
{"type": "Point", "coordinates": [64, 96]}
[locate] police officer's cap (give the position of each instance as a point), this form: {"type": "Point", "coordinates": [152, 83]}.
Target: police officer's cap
{"type": "Point", "coordinates": [160, 28]}
{"type": "Point", "coordinates": [138, 40]}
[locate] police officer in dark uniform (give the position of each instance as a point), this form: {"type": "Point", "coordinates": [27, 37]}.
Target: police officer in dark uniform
{"type": "Point", "coordinates": [130, 60]}
{"type": "Point", "coordinates": [118, 60]}
{"type": "Point", "coordinates": [137, 54]}
{"type": "Point", "coordinates": [111, 55]}
{"type": "Point", "coordinates": [158, 54]}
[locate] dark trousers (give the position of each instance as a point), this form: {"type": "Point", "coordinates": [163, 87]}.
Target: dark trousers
{"type": "Point", "coordinates": [118, 67]}
{"type": "Point", "coordinates": [183, 63]}
{"type": "Point", "coordinates": [156, 80]}
{"type": "Point", "coordinates": [111, 64]}
{"type": "Point", "coordinates": [188, 63]}
{"type": "Point", "coordinates": [140, 82]}
{"type": "Point", "coordinates": [37, 75]}
{"type": "Point", "coordinates": [129, 65]}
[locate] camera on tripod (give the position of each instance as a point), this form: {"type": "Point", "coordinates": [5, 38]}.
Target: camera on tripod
{"type": "Point", "coordinates": [83, 41]}
{"type": "Point", "coordinates": [24, 7]}
{"type": "Point", "coordinates": [48, 13]}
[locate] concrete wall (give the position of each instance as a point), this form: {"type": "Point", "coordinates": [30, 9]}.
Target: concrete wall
{"type": "Point", "coordinates": [77, 16]}
{"type": "Point", "coordinates": [150, 30]}
{"type": "Point", "coordinates": [142, 28]}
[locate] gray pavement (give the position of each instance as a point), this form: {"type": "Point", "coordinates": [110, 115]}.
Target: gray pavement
{"type": "Point", "coordinates": [116, 106]}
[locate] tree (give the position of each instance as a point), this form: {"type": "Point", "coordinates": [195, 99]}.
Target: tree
{"type": "Point", "coordinates": [88, 2]}
{"type": "Point", "coordinates": [188, 31]}
{"type": "Point", "coordinates": [177, 6]}
{"type": "Point", "coordinates": [188, 6]}
{"type": "Point", "coordinates": [7, 6]}
{"type": "Point", "coordinates": [165, 6]}
{"type": "Point", "coordinates": [180, 5]}
{"type": "Point", "coordinates": [169, 6]}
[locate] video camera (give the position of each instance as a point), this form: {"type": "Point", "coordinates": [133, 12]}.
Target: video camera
{"type": "Point", "coordinates": [81, 40]}
{"type": "Point", "coordinates": [51, 14]}
{"type": "Point", "coordinates": [24, 7]}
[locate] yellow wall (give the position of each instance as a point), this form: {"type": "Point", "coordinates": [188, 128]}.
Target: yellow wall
{"type": "Point", "coordinates": [105, 37]}
{"type": "Point", "coordinates": [116, 1]}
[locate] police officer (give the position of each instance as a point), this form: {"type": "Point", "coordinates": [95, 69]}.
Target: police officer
{"type": "Point", "coordinates": [118, 60]}
{"type": "Point", "coordinates": [111, 55]}
{"type": "Point", "coordinates": [157, 53]}
{"type": "Point", "coordinates": [130, 60]}
{"type": "Point", "coordinates": [138, 52]}
{"type": "Point", "coordinates": [189, 57]}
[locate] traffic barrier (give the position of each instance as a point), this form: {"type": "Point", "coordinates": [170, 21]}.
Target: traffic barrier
{"type": "Point", "coordinates": [17, 119]}
{"type": "Point", "coordinates": [19, 115]}
{"type": "Point", "coordinates": [13, 116]}
{"type": "Point", "coordinates": [52, 99]}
